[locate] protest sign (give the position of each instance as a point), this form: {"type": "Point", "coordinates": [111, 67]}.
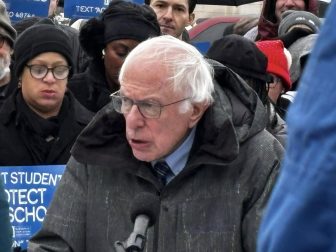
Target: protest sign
{"type": "Point", "coordinates": [20, 9]}
{"type": "Point", "coordinates": [73, 9]}
{"type": "Point", "coordinates": [29, 191]}
{"type": "Point", "coordinates": [85, 9]}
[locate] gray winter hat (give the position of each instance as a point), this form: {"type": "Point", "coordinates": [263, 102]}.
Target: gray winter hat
{"type": "Point", "coordinates": [299, 49]}
{"type": "Point", "coordinates": [6, 29]}
{"type": "Point", "coordinates": [293, 18]}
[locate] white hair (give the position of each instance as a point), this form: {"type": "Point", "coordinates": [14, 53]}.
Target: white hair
{"type": "Point", "coordinates": [190, 72]}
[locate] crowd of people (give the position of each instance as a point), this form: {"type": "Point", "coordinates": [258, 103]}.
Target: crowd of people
{"type": "Point", "coordinates": [132, 107]}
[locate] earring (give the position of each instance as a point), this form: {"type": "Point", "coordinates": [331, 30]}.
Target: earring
{"type": "Point", "coordinates": [103, 53]}
{"type": "Point", "coordinates": [19, 84]}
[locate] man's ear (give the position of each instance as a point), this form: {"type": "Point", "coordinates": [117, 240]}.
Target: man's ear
{"type": "Point", "coordinates": [191, 18]}
{"type": "Point", "coordinates": [198, 110]}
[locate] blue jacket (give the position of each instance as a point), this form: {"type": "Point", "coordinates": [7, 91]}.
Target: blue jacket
{"type": "Point", "coordinates": [5, 226]}
{"type": "Point", "coordinates": [301, 215]}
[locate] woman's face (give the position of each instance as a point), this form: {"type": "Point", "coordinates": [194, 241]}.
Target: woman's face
{"type": "Point", "coordinates": [115, 54]}
{"type": "Point", "coordinates": [45, 95]}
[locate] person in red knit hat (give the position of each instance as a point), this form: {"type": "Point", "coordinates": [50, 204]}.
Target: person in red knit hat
{"type": "Point", "coordinates": [279, 61]}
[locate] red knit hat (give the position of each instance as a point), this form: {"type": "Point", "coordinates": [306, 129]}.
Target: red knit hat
{"type": "Point", "coordinates": [277, 60]}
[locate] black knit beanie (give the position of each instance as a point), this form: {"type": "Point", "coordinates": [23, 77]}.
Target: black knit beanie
{"type": "Point", "coordinates": [41, 38]}
{"type": "Point", "coordinates": [128, 26]}
{"type": "Point", "coordinates": [241, 55]}
{"type": "Point", "coordinates": [120, 20]}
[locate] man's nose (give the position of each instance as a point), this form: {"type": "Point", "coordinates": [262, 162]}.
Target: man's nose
{"type": "Point", "coordinates": [134, 118]}
{"type": "Point", "coordinates": [168, 14]}
{"type": "Point", "coordinates": [290, 3]}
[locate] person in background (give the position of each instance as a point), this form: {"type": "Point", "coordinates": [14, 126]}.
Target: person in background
{"type": "Point", "coordinates": [6, 230]}
{"type": "Point", "coordinates": [52, 11]}
{"type": "Point", "coordinates": [171, 132]}
{"type": "Point", "coordinates": [271, 15]}
{"type": "Point", "coordinates": [7, 38]}
{"type": "Point", "coordinates": [22, 24]}
{"type": "Point", "coordinates": [244, 25]}
{"type": "Point", "coordinates": [79, 57]}
{"type": "Point", "coordinates": [243, 56]}
{"type": "Point", "coordinates": [298, 19]}
{"type": "Point", "coordinates": [40, 121]}
{"type": "Point", "coordinates": [78, 24]}
{"type": "Point", "coordinates": [279, 62]}
{"type": "Point", "coordinates": [298, 46]}
{"type": "Point", "coordinates": [174, 16]}
{"type": "Point", "coordinates": [107, 40]}
{"type": "Point", "coordinates": [301, 214]}
{"type": "Point", "coordinates": [300, 51]}
{"type": "Point", "coordinates": [298, 31]}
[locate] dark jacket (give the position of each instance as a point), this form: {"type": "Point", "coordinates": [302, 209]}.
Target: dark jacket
{"type": "Point", "coordinates": [79, 56]}
{"type": "Point", "coordinates": [7, 89]}
{"type": "Point", "coordinates": [213, 204]}
{"type": "Point", "coordinates": [90, 87]}
{"type": "Point", "coordinates": [276, 125]}
{"type": "Point", "coordinates": [16, 137]}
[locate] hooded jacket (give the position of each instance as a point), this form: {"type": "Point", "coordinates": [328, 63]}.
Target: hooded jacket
{"type": "Point", "coordinates": [214, 204]}
{"type": "Point", "coordinates": [16, 136]}
{"type": "Point", "coordinates": [268, 24]}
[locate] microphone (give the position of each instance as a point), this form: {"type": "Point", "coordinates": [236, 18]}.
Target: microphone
{"type": "Point", "coordinates": [144, 211]}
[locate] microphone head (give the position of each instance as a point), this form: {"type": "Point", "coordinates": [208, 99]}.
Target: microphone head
{"type": "Point", "coordinates": [147, 204]}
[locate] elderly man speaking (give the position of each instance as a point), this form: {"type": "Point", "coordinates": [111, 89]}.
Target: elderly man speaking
{"type": "Point", "coordinates": [172, 132]}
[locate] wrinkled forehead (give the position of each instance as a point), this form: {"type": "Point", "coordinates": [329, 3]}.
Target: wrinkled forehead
{"type": "Point", "coordinates": [146, 75]}
{"type": "Point", "coordinates": [150, 66]}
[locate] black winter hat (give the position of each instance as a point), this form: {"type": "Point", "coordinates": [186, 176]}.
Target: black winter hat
{"type": "Point", "coordinates": [241, 55]}
{"type": "Point", "coordinates": [41, 38]}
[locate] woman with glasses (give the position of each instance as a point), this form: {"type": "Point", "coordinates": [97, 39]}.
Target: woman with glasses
{"type": "Point", "coordinates": [40, 121]}
{"type": "Point", "coordinates": [107, 40]}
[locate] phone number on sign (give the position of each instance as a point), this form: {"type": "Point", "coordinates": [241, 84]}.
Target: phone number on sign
{"type": "Point", "coordinates": [20, 14]}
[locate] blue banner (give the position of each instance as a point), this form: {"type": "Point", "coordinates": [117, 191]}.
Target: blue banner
{"type": "Point", "coordinates": [29, 190]}
{"type": "Point", "coordinates": [20, 9]}
{"type": "Point", "coordinates": [86, 9]}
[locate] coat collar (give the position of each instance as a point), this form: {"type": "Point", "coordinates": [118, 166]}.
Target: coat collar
{"type": "Point", "coordinates": [218, 136]}
{"type": "Point", "coordinates": [8, 110]}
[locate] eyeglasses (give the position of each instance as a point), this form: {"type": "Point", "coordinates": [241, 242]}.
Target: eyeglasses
{"type": "Point", "coordinates": [41, 71]}
{"type": "Point", "coordinates": [147, 109]}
